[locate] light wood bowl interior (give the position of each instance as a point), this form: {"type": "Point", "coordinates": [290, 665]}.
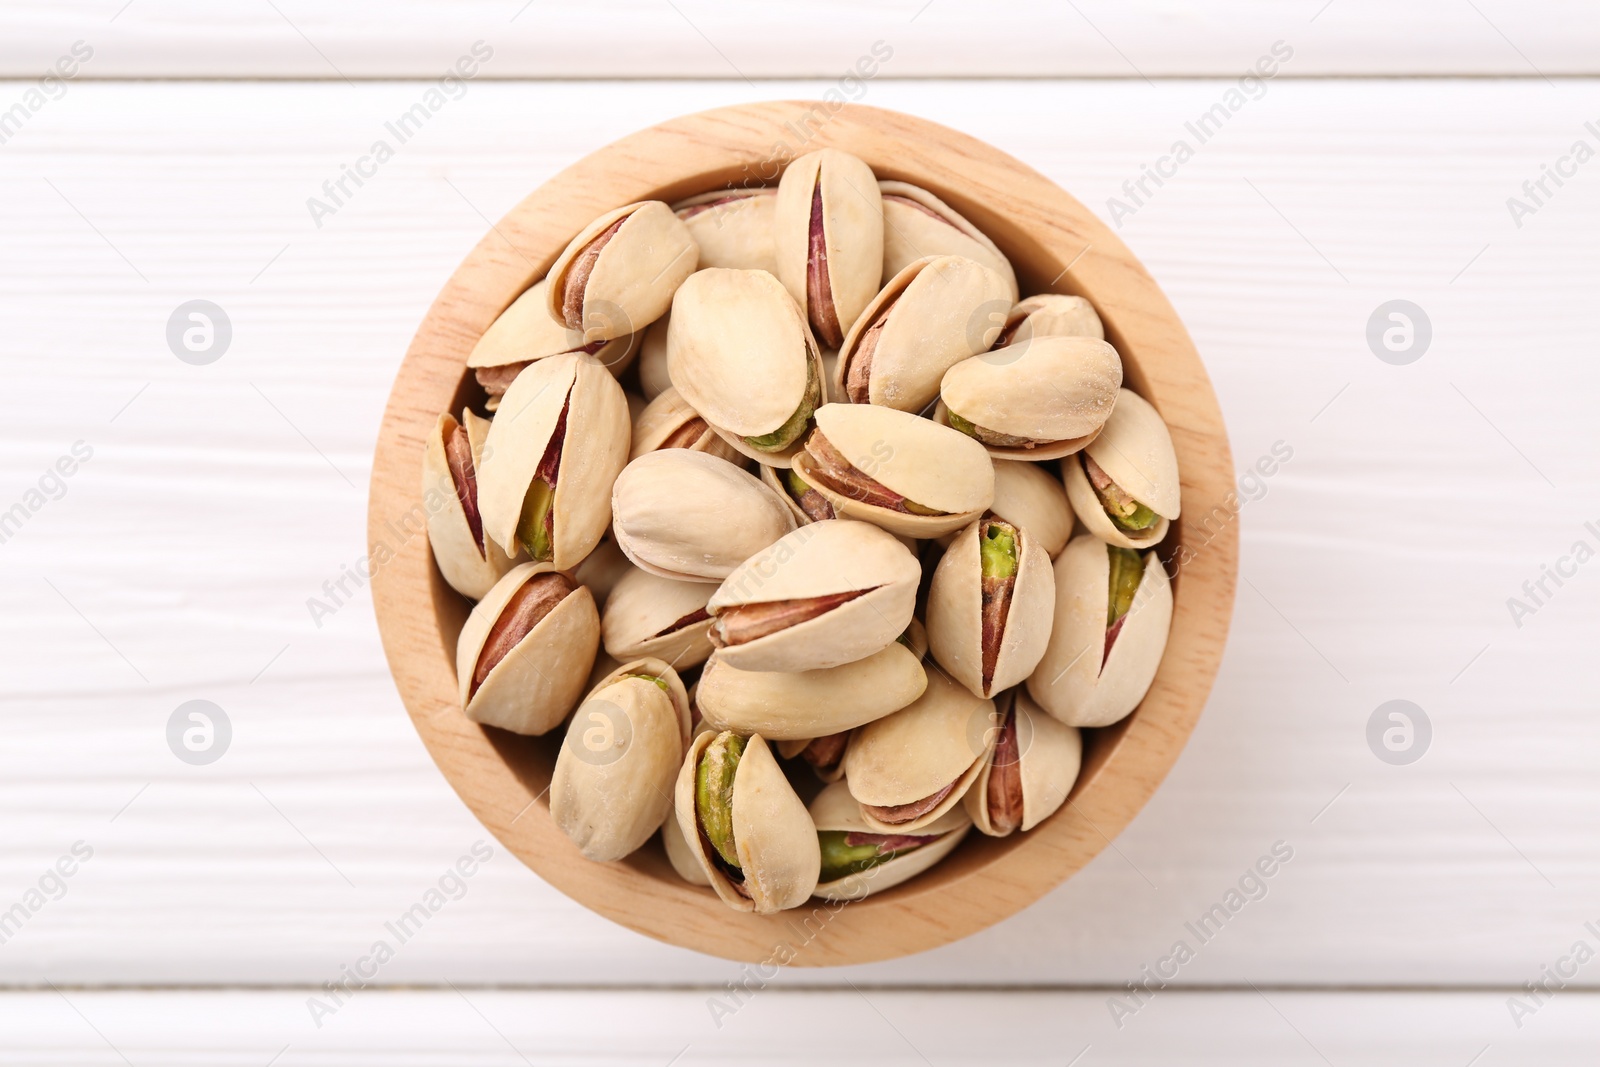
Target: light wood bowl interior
{"type": "Point", "coordinates": [1056, 245]}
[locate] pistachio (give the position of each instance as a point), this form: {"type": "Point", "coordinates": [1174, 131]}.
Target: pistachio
{"type": "Point", "coordinates": [602, 569]}
{"type": "Point", "coordinates": [648, 615]}
{"type": "Point", "coordinates": [619, 273]}
{"type": "Point", "coordinates": [916, 224]}
{"type": "Point", "coordinates": [1051, 315]}
{"type": "Point", "coordinates": [1030, 767]}
{"type": "Point", "coordinates": [906, 474]}
{"type": "Point", "coordinates": [828, 239]}
{"type": "Point", "coordinates": [805, 503]}
{"type": "Point", "coordinates": [1124, 485]}
{"type": "Point", "coordinates": [466, 559]}
{"type": "Point", "coordinates": [525, 333]}
{"type": "Point", "coordinates": [825, 755]}
{"type": "Point", "coordinates": [653, 377]}
{"type": "Point", "coordinates": [733, 227]}
{"type": "Point", "coordinates": [989, 606]}
{"type": "Point", "coordinates": [742, 820]}
{"type": "Point", "coordinates": [669, 422]}
{"type": "Point", "coordinates": [741, 355]}
{"type": "Point", "coordinates": [691, 516]}
{"type": "Point", "coordinates": [679, 854]}
{"type": "Point", "coordinates": [930, 316]}
{"type": "Point", "coordinates": [1113, 610]}
{"type": "Point", "coordinates": [1039, 399]}
{"type": "Point", "coordinates": [525, 651]}
{"type": "Point", "coordinates": [858, 861]}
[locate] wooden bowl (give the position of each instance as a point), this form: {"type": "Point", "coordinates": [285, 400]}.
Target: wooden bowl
{"type": "Point", "coordinates": [1055, 245]}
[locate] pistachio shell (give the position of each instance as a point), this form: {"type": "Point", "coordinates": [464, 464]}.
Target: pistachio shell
{"type": "Point", "coordinates": [641, 614]}
{"type": "Point", "coordinates": [1135, 451]}
{"type": "Point", "coordinates": [777, 479]}
{"type": "Point", "coordinates": [911, 755]}
{"type": "Point", "coordinates": [931, 465]}
{"type": "Point", "coordinates": [822, 559]}
{"type": "Point", "coordinates": [1052, 315]}
{"type": "Point", "coordinates": [852, 226]}
{"type": "Point", "coordinates": [525, 332]}
{"type": "Point", "coordinates": [598, 432]}
{"type": "Point", "coordinates": [666, 418]}
{"type": "Point", "coordinates": [835, 809]}
{"type": "Point", "coordinates": [679, 854]}
{"type": "Point", "coordinates": [798, 706]}
{"type": "Point", "coordinates": [1055, 391]}
{"type": "Point", "coordinates": [955, 612]}
{"type": "Point", "coordinates": [631, 282]}
{"type": "Point", "coordinates": [1049, 754]}
{"type": "Point", "coordinates": [916, 224]}
{"type": "Point", "coordinates": [741, 355]}
{"type": "Point", "coordinates": [602, 569]}
{"type": "Point", "coordinates": [653, 377]}
{"type": "Point", "coordinates": [469, 566]}
{"type": "Point", "coordinates": [1070, 682]}
{"type": "Point", "coordinates": [614, 774]}
{"type": "Point", "coordinates": [1026, 495]}
{"type": "Point", "coordinates": [733, 227]}
{"type": "Point", "coordinates": [688, 515]}
{"type": "Point", "coordinates": [929, 317]}
{"type": "Point", "coordinates": [774, 838]}
{"type": "Point", "coordinates": [531, 690]}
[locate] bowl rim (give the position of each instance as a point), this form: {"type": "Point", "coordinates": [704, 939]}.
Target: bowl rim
{"type": "Point", "coordinates": [502, 777]}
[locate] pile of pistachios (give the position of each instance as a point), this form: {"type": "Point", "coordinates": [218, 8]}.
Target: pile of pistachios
{"type": "Point", "coordinates": [772, 504]}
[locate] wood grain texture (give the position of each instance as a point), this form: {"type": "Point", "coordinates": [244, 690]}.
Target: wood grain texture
{"type": "Point", "coordinates": [195, 535]}
{"type": "Point", "coordinates": [1055, 245]}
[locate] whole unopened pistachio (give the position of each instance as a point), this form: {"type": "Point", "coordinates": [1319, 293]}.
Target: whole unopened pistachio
{"type": "Point", "coordinates": [525, 332]}
{"type": "Point", "coordinates": [669, 422]}
{"type": "Point", "coordinates": [916, 223]}
{"type": "Point", "coordinates": [648, 615]}
{"type": "Point", "coordinates": [828, 238]}
{"type": "Point", "coordinates": [1029, 769]}
{"type": "Point", "coordinates": [1113, 611]}
{"type": "Point", "coordinates": [858, 861]}
{"type": "Point", "coordinates": [470, 562]}
{"type": "Point", "coordinates": [1051, 315]}
{"type": "Point", "coordinates": [733, 227]}
{"type": "Point", "coordinates": [1124, 485]}
{"type": "Point", "coordinates": [742, 356]}
{"type": "Point", "coordinates": [619, 273]}
{"type": "Point", "coordinates": [1040, 399]}
{"type": "Point", "coordinates": [751, 833]}
{"type": "Point", "coordinates": [525, 651]}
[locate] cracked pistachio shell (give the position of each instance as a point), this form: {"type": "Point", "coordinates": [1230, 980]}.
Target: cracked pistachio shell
{"type": "Point", "coordinates": [679, 854]}
{"type": "Point", "coordinates": [929, 317]}
{"type": "Point", "coordinates": [933, 465]}
{"type": "Point", "coordinates": [594, 450]}
{"type": "Point", "coordinates": [740, 354]}
{"type": "Point", "coordinates": [653, 377]}
{"type": "Point", "coordinates": [525, 332]}
{"type": "Point", "coordinates": [955, 613]}
{"type": "Point", "coordinates": [1135, 450]}
{"type": "Point", "coordinates": [1052, 315]}
{"type": "Point", "coordinates": [471, 568]}
{"type": "Point", "coordinates": [1050, 755]}
{"type": "Point", "coordinates": [836, 556]}
{"type": "Point", "coordinates": [614, 774]}
{"type": "Point", "coordinates": [852, 233]}
{"type": "Point", "coordinates": [775, 478]}
{"type": "Point", "coordinates": [531, 690]}
{"type": "Point", "coordinates": [799, 706]}
{"type": "Point", "coordinates": [1026, 495]}
{"type": "Point", "coordinates": [1070, 682]}
{"type": "Point", "coordinates": [910, 755]}
{"type": "Point", "coordinates": [732, 227]}
{"type": "Point", "coordinates": [630, 284]}
{"type": "Point", "coordinates": [602, 569]}
{"type": "Point", "coordinates": [1055, 391]}
{"type": "Point", "coordinates": [774, 837]}
{"type": "Point", "coordinates": [641, 616]}
{"type": "Point", "coordinates": [916, 223]}
{"type": "Point", "coordinates": [692, 516]}
{"type": "Point", "coordinates": [670, 418]}
{"type": "Point", "coordinates": [835, 809]}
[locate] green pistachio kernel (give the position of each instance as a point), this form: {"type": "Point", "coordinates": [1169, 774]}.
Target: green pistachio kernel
{"type": "Point", "coordinates": [840, 859]}
{"type": "Point", "coordinates": [532, 530]}
{"type": "Point", "coordinates": [713, 793]}
{"type": "Point", "coordinates": [958, 423]}
{"type": "Point", "coordinates": [784, 435]}
{"type": "Point", "coordinates": [997, 548]}
{"type": "Point", "coordinates": [797, 485]}
{"type": "Point", "coordinates": [1127, 568]}
{"type": "Point", "coordinates": [660, 682]}
{"type": "Point", "coordinates": [1140, 518]}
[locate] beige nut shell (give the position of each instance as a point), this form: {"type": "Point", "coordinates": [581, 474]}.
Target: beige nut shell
{"type": "Point", "coordinates": [1050, 755]}
{"type": "Point", "coordinates": [692, 516]}
{"type": "Point", "coordinates": [664, 416]}
{"type": "Point", "coordinates": [635, 275]}
{"type": "Point", "coordinates": [1027, 495]}
{"type": "Point", "coordinates": [773, 834]}
{"type": "Point", "coordinates": [930, 227]}
{"type": "Point", "coordinates": [822, 559]}
{"type": "Point", "coordinates": [643, 605]}
{"type": "Point", "coordinates": [537, 683]}
{"type": "Point", "coordinates": [1069, 682]}
{"type": "Point", "coordinates": [525, 332]}
{"type": "Point", "coordinates": [679, 854]}
{"type": "Point", "coordinates": [930, 464]}
{"type": "Point", "coordinates": [936, 312]}
{"type": "Point", "coordinates": [1135, 450]}
{"type": "Point", "coordinates": [800, 706]}
{"type": "Point", "coordinates": [614, 774]}
{"type": "Point", "coordinates": [740, 353]}
{"type": "Point", "coordinates": [470, 569]}
{"type": "Point", "coordinates": [596, 449]}
{"type": "Point", "coordinates": [835, 809]}
{"type": "Point", "coordinates": [917, 751]}
{"type": "Point", "coordinates": [653, 377]}
{"type": "Point", "coordinates": [1053, 315]}
{"type": "Point", "coordinates": [735, 231]}
{"type": "Point", "coordinates": [602, 569]}
{"type": "Point", "coordinates": [1058, 391]}
{"type": "Point", "coordinates": [852, 227]}
{"type": "Point", "coordinates": [955, 612]}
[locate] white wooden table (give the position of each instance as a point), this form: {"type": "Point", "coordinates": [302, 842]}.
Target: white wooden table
{"type": "Point", "coordinates": [175, 563]}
